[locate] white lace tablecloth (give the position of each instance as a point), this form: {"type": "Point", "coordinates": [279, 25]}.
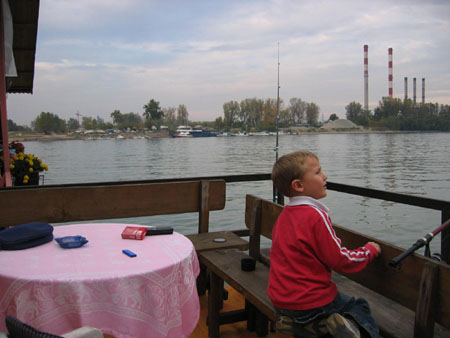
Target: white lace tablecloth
{"type": "Point", "coordinates": [57, 290]}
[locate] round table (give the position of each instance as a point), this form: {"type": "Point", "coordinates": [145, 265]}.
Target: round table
{"type": "Point", "coordinates": [57, 290]}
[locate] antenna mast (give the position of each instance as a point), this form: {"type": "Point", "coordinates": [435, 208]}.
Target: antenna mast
{"type": "Point", "coordinates": [278, 103]}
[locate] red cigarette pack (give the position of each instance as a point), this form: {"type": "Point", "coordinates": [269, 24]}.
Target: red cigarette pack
{"type": "Point", "coordinates": [134, 232]}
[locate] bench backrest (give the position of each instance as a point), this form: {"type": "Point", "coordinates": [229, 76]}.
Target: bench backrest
{"type": "Point", "coordinates": [420, 284]}
{"type": "Point", "coordinates": [82, 203]}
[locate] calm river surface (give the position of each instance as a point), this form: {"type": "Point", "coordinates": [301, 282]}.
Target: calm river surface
{"type": "Point", "coordinates": [410, 163]}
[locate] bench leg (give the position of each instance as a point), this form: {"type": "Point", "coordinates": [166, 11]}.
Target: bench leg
{"type": "Point", "coordinates": [251, 316]}
{"type": "Point", "coordinates": [262, 324]}
{"type": "Point", "coordinates": [215, 298]}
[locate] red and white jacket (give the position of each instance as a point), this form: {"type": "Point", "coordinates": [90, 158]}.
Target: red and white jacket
{"type": "Point", "coordinates": [305, 249]}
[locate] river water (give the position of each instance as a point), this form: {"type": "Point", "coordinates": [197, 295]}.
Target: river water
{"type": "Point", "coordinates": [409, 163]}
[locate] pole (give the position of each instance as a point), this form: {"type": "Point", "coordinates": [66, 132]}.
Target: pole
{"type": "Point", "coordinates": [275, 192]}
{"type": "Point", "coordinates": [6, 179]}
{"type": "Point", "coordinates": [419, 243]}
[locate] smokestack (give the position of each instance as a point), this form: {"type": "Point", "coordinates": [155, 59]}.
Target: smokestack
{"type": "Point", "coordinates": [366, 77]}
{"type": "Point", "coordinates": [423, 90]}
{"type": "Point", "coordinates": [414, 90]}
{"type": "Point", "coordinates": [406, 88]}
{"type": "Point", "coordinates": [390, 77]}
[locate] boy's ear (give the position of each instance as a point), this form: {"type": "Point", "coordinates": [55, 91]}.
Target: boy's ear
{"type": "Point", "coordinates": [296, 185]}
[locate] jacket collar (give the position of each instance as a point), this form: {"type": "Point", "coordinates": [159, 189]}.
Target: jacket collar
{"type": "Point", "coordinates": [306, 200]}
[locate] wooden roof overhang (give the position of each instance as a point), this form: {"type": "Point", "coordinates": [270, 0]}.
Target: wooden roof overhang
{"type": "Point", "coordinates": [25, 14]}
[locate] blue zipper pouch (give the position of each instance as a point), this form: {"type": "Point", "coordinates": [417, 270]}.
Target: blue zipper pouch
{"type": "Point", "coordinates": [25, 236]}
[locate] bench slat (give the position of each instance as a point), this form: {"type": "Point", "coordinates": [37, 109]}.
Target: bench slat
{"type": "Point", "coordinates": [66, 204]}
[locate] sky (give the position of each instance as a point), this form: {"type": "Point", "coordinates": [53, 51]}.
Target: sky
{"type": "Point", "coordinates": [94, 57]}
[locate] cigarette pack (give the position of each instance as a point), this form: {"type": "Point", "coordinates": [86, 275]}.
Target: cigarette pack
{"type": "Point", "coordinates": [134, 232]}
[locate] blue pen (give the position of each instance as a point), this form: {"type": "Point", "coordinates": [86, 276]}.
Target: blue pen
{"type": "Point", "coordinates": [129, 253]}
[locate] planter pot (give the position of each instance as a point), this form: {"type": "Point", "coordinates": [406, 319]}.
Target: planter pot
{"type": "Point", "coordinates": [34, 180]}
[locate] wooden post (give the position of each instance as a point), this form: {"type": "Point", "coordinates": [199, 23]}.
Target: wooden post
{"type": "Point", "coordinates": [427, 302]}
{"type": "Point", "coordinates": [203, 217]}
{"type": "Point", "coordinates": [6, 178]}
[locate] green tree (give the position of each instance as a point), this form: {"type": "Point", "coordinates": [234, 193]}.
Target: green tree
{"type": "Point", "coordinates": [333, 117]}
{"type": "Point", "coordinates": [253, 112]}
{"type": "Point", "coordinates": [219, 124]}
{"type": "Point", "coordinates": [132, 121]}
{"type": "Point", "coordinates": [89, 123]}
{"type": "Point", "coordinates": [270, 114]}
{"type": "Point", "coordinates": [356, 113]}
{"type": "Point", "coordinates": [388, 107]}
{"type": "Point", "coordinates": [297, 109]}
{"type": "Point", "coordinates": [312, 113]}
{"type": "Point", "coordinates": [73, 124]}
{"type": "Point", "coordinates": [117, 117]}
{"type": "Point", "coordinates": [153, 112]}
{"type": "Point", "coordinates": [353, 110]}
{"type": "Point", "coordinates": [14, 127]}
{"type": "Point", "coordinates": [182, 115]}
{"type": "Point", "coordinates": [170, 118]}
{"type": "Point", "coordinates": [231, 111]}
{"type": "Point", "coordinates": [49, 123]}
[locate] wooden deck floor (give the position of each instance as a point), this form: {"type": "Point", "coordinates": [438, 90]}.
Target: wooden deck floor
{"type": "Point", "coordinates": [236, 330]}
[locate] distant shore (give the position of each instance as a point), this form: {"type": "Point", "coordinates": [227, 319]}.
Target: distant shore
{"type": "Point", "coordinates": [33, 136]}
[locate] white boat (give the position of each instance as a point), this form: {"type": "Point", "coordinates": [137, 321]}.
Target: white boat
{"type": "Point", "coordinates": [183, 131]}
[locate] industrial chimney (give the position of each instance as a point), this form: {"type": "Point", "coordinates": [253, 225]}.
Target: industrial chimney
{"type": "Point", "coordinates": [366, 77]}
{"type": "Point", "coordinates": [406, 88]}
{"type": "Point", "coordinates": [390, 77]}
{"type": "Point", "coordinates": [423, 90]}
{"type": "Point", "coordinates": [414, 90]}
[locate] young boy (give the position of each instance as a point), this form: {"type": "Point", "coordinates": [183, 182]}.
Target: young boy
{"type": "Point", "coordinates": [305, 250]}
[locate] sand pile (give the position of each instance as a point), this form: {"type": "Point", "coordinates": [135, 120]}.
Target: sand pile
{"type": "Point", "coordinates": [340, 124]}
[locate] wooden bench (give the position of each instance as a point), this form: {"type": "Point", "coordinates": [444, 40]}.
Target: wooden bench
{"type": "Point", "coordinates": [59, 204]}
{"type": "Point", "coordinates": [410, 301]}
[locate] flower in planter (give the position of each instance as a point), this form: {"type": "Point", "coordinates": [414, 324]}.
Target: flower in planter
{"type": "Point", "coordinates": [24, 166]}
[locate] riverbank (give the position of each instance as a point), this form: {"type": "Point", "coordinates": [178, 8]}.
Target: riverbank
{"type": "Point", "coordinates": [33, 136]}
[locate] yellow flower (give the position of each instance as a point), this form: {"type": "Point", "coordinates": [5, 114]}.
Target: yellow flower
{"type": "Point", "coordinates": [26, 177]}
{"type": "Point", "coordinates": [12, 166]}
{"type": "Point", "coordinates": [30, 170]}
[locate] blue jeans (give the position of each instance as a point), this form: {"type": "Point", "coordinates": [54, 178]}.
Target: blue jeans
{"type": "Point", "coordinates": [355, 308]}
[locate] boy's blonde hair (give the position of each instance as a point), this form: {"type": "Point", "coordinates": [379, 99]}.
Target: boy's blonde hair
{"type": "Point", "coordinates": [288, 168]}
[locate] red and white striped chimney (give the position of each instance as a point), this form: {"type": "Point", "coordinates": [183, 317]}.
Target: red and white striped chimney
{"type": "Point", "coordinates": [390, 76]}
{"type": "Point", "coordinates": [366, 77]}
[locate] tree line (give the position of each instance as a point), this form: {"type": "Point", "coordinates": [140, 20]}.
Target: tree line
{"type": "Point", "coordinates": [253, 114]}
{"type": "Point", "coordinates": [398, 114]}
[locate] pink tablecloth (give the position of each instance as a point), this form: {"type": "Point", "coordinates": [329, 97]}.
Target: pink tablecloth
{"type": "Point", "coordinates": [58, 290]}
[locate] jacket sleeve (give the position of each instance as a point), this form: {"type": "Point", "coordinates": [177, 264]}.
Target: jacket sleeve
{"type": "Point", "coordinates": [330, 251]}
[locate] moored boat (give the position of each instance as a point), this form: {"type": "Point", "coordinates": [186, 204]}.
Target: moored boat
{"type": "Point", "coordinates": [183, 131]}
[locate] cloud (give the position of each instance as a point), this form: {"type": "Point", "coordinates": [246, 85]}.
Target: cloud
{"type": "Point", "coordinates": [97, 56]}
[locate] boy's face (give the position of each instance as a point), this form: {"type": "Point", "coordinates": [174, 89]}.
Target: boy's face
{"type": "Point", "coordinates": [314, 181]}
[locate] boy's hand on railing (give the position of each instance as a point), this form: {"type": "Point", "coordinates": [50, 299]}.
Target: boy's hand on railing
{"type": "Point", "coordinates": [375, 245]}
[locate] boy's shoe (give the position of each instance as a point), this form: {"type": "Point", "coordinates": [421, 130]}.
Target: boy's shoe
{"type": "Point", "coordinates": [341, 327]}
